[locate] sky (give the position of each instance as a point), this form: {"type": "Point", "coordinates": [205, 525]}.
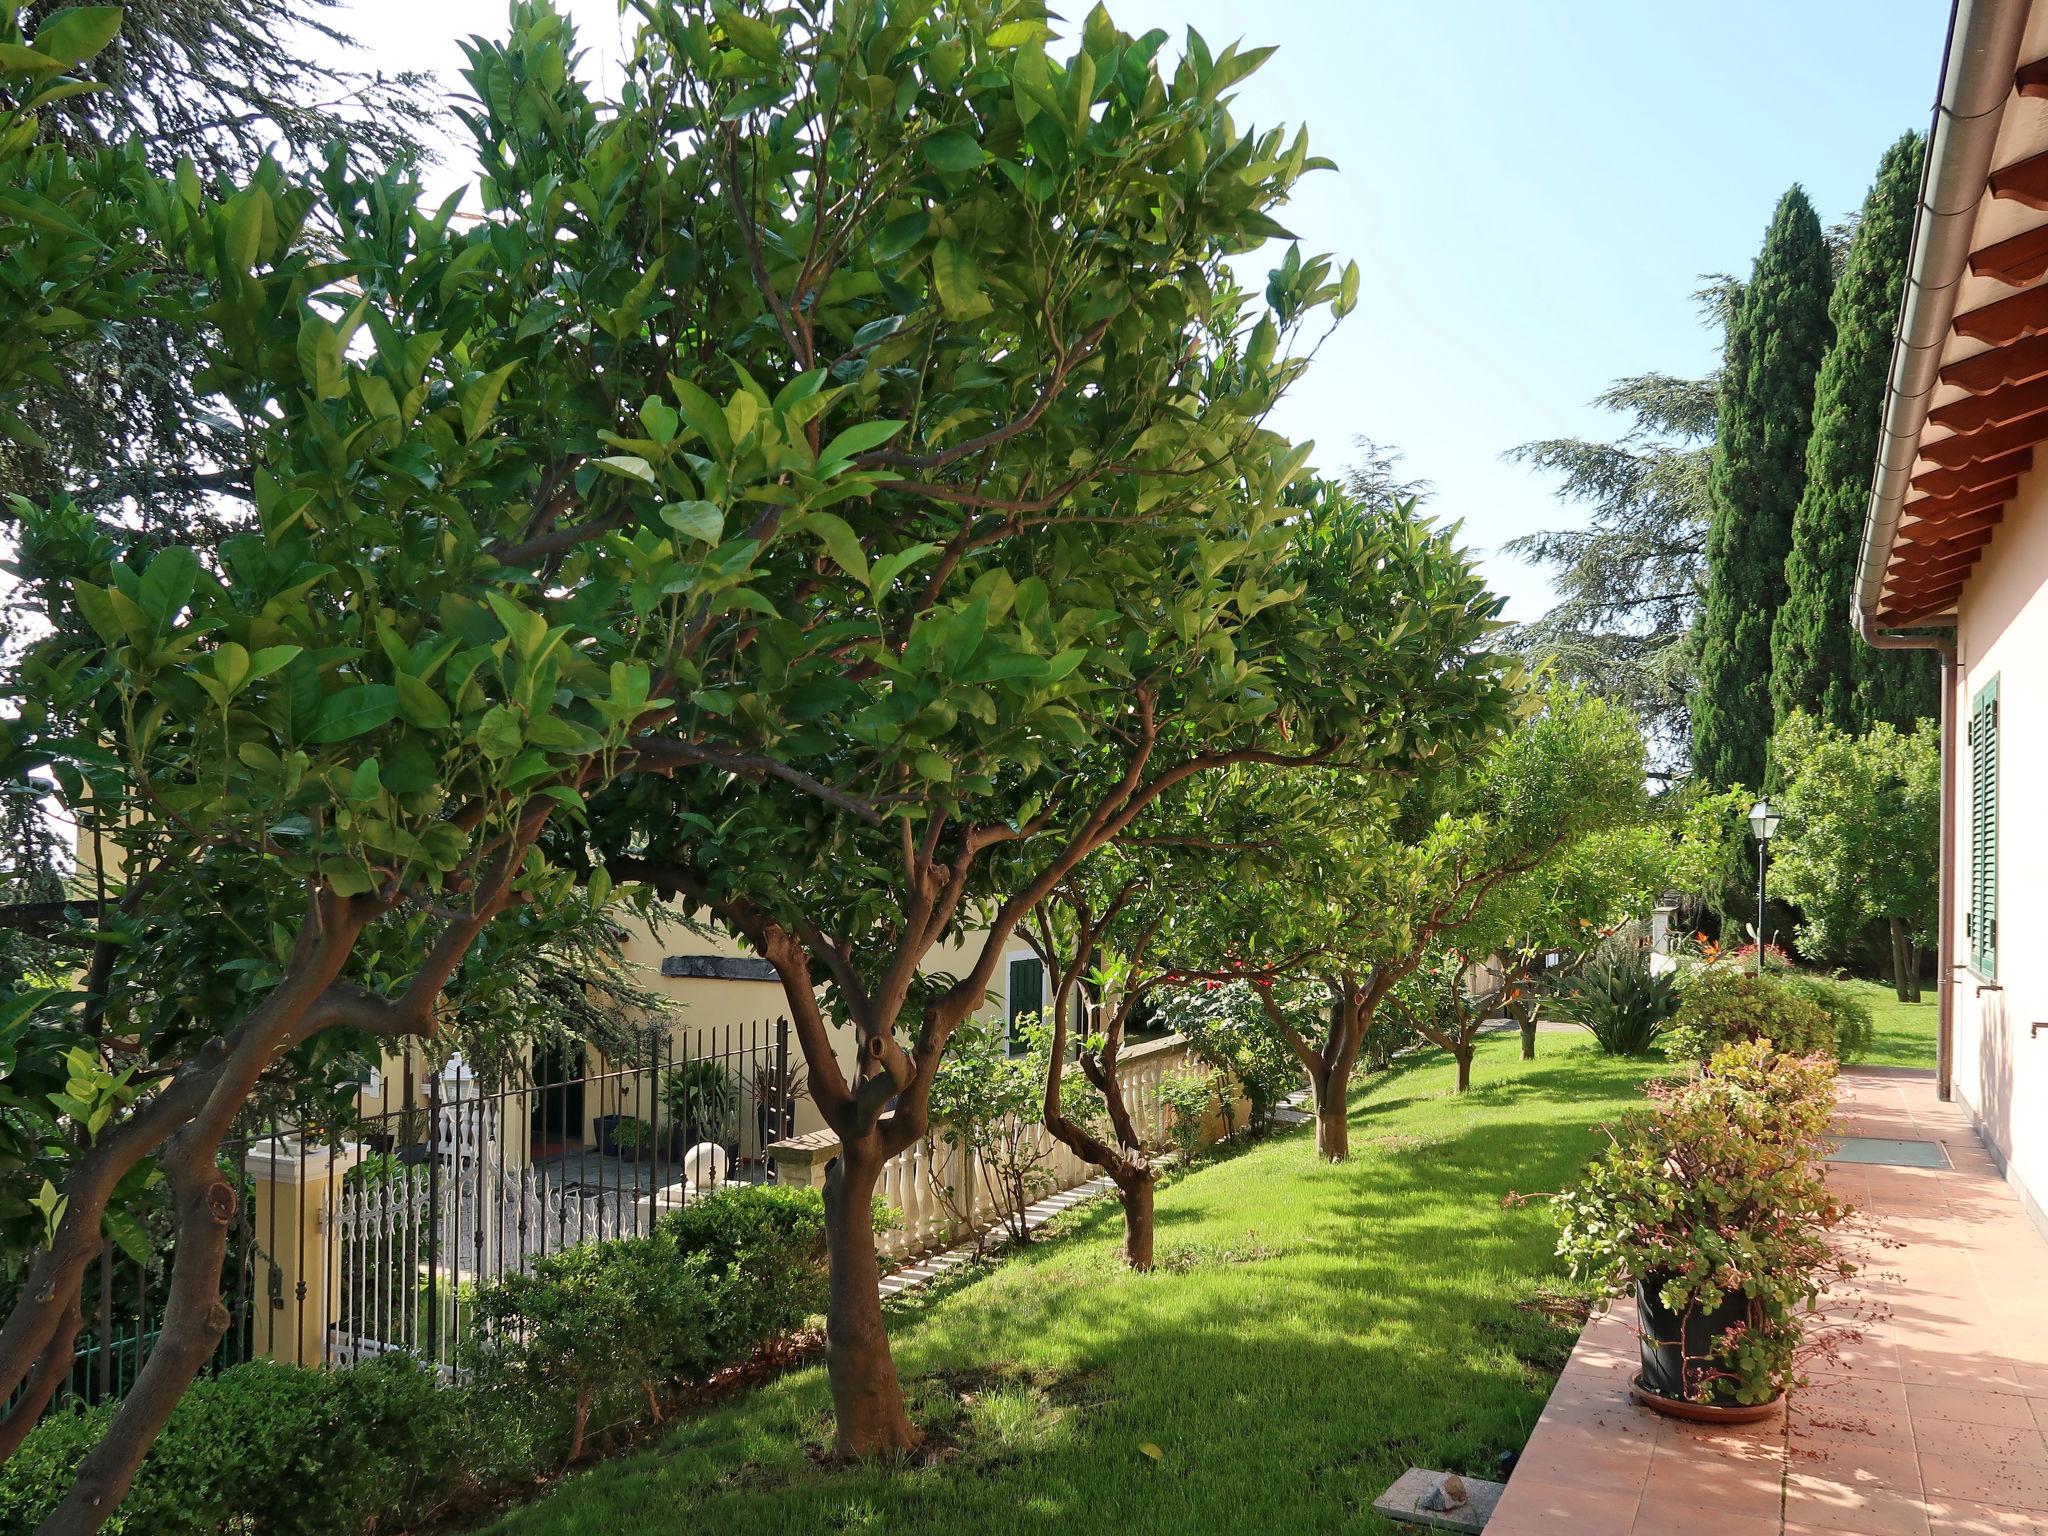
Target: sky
{"type": "Point", "coordinates": [1532, 190]}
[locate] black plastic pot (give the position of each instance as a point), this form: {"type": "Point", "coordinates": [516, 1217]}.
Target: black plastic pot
{"type": "Point", "coordinates": [1668, 1340]}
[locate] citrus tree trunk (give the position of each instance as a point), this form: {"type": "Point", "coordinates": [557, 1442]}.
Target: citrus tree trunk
{"type": "Point", "coordinates": [1137, 1194]}
{"type": "Point", "coordinates": [1528, 1022]}
{"type": "Point", "coordinates": [1905, 974]}
{"type": "Point", "coordinates": [1331, 1088]}
{"type": "Point", "coordinates": [1462, 1054]}
{"type": "Point", "coordinates": [867, 1398]}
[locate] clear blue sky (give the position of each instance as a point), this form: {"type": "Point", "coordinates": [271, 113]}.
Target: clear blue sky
{"type": "Point", "coordinates": [1530, 189]}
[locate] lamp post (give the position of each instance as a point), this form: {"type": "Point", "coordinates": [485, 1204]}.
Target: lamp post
{"type": "Point", "coordinates": [1763, 823]}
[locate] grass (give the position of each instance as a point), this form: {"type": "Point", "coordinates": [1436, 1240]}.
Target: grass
{"type": "Point", "coordinates": [1311, 1332]}
{"type": "Point", "coordinates": [1905, 1031]}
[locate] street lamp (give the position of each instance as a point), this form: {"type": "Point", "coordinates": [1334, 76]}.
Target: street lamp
{"type": "Point", "coordinates": [1763, 823]}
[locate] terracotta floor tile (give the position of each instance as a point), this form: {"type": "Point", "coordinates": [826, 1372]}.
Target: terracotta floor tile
{"type": "Point", "coordinates": [2004, 1442]}
{"type": "Point", "coordinates": [2007, 1407]}
{"type": "Point", "coordinates": [1733, 1488]}
{"type": "Point", "coordinates": [1824, 1505]}
{"type": "Point", "coordinates": [1957, 1517]}
{"type": "Point", "coordinates": [1534, 1505]}
{"type": "Point", "coordinates": [1858, 1465]}
{"type": "Point", "coordinates": [1985, 1479]}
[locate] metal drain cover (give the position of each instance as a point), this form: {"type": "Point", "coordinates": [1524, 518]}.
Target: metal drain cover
{"type": "Point", "coordinates": [1889, 1153]}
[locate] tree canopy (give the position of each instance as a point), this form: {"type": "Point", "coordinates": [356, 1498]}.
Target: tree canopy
{"type": "Point", "coordinates": [1763, 416]}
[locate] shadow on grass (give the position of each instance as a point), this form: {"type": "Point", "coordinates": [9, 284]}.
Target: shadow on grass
{"type": "Point", "coordinates": [1313, 1330]}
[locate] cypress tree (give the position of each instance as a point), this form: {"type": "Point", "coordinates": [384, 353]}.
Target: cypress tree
{"type": "Point", "coordinates": [1817, 662]}
{"type": "Point", "coordinates": [1763, 416]}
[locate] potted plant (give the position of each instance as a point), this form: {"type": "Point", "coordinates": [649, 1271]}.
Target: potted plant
{"type": "Point", "coordinates": [626, 1136]}
{"type": "Point", "coordinates": [701, 1101]}
{"type": "Point", "coordinates": [1711, 1204]}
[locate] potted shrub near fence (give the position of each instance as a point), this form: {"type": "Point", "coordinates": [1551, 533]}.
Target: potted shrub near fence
{"type": "Point", "coordinates": [702, 1103]}
{"type": "Point", "coordinates": [1711, 1204]}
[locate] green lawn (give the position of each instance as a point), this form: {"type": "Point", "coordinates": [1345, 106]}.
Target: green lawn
{"type": "Point", "coordinates": [1905, 1031]}
{"type": "Point", "coordinates": [1311, 1332]}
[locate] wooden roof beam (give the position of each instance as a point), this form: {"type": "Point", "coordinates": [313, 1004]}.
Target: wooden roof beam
{"type": "Point", "coordinates": [1971, 477]}
{"type": "Point", "coordinates": [2019, 363]}
{"type": "Point", "coordinates": [1928, 535]}
{"type": "Point", "coordinates": [2004, 321]}
{"type": "Point", "coordinates": [2013, 403]}
{"type": "Point", "coordinates": [2024, 181]}
{"type": "Point", "coordinates": [2015, 262]}
{"type": "Point", "coordinates": [1962, 503]}
{"type": "Point", "coordinates": [1978, 447]}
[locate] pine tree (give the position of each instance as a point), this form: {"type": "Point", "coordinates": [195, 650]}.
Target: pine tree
{"type": "Point", "coordinates": [1817, 663]}
{"type": "Point", "coordinates": [1763, 417]}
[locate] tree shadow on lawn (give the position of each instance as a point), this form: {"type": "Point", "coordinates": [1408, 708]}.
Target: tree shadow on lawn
{"type": "Point", "coordinates": [1313, 1330]}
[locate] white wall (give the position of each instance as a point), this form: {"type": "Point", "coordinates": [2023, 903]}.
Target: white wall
{"type": "Point", "coordinates": [2000, 1070]}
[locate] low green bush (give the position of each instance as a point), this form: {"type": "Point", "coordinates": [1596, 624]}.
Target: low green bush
{"type": "Point", "coordinates": [598, 1329]}
{"type": "Point", "coordinates": [1620, 1001]}
{"type": "Point", "coordinates": [760, 1253]}
{"type": "Point", "coordinates": [1854, 1026]}
{"type": "Point", "coordinates": [279, 1449]}
{"type": "Point", "coordinates": [1718, 1006]}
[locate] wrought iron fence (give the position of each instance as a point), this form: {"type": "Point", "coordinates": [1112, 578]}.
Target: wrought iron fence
{"type": "Point", "coordinates": [371, 1237]}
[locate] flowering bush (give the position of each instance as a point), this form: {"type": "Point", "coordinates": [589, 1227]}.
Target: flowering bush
{"type": "Point", "coordinates": [1714, 1196]}
{"type": "Point", "coordinates": [1719, 1006]}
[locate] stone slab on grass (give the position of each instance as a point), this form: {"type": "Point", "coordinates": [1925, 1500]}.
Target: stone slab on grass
{"type": "Point", "coordinates": [1398, 1502]}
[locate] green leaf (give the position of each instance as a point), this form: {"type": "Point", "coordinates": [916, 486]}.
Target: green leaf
{"type": "Point", "coordinates": [627, 467]}
{"type": "Point", "coordinates": [499, 735]}
{"type": "Point", "coordinates": [167, 585]}
{"type": "Point", "coordinates": [857, 439]}
{"type": "Point", "coordinates": [842, 543]}
{"type": "Point", "coordinates": [480, 400]}
{"type": "Point", "coordinates": [958, 280]}
{"type": "Point", "coordinates": [322, 356]}
{"type": "Point", "coordinates": [934, 767]}
{"type": "Point", "coordinates": [76, 33]}
{"type": "Point", "coordinates": [353, 711]}
{"type": "Point", "coordinates": [951, 150]}
{"type": "Point", "coordinates": [420, 704]}
{"type": "Point", "coordinates": [699, 520]}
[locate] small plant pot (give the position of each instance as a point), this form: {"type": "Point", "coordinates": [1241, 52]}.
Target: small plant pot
{"type": "Point", "coordinates": [603, 1128]}
{"type": "Point", "coordinates": [1668, 1341]}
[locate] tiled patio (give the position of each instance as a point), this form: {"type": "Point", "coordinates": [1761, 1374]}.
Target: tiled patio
{"type": "Point", "coordinates": [1932, 1425]}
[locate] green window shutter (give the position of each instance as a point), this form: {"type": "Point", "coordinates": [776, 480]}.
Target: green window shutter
{"type": "Point", "coordinates": [1027, 993]}
{"type": "Point", "coordinates": [1983, 915]}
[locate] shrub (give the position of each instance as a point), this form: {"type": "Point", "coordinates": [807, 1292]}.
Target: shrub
{"type": "Point", "coordinates": [759, 1251]}
{"type": "Point", "coordinates": [1718, 1007]}
{"type": "Point", "coordinates": [281, 1449]}
{"type": "Point", "coordinates": [1190, 1097]}
{"type": "Point", "coordinates": [1228, 1029]}
{"type": "Point", "coordinates": [590, 1328]}
{"type": "Point", "coordinates": [1621, 1001]}
{"type": "Point", "coordinates": [987, 1101]}
{"type": "Point", "coordinates": [1717, 1192]}
{"type": "Point", "coordinates": [1848, 1014]}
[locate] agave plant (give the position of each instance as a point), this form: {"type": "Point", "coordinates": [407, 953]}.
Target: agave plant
{"type": "Point", "coordinates": [1621, 1001]}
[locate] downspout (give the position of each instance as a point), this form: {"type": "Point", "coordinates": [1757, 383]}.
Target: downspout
{"type": "Point", "coordinates": [1976, 82]}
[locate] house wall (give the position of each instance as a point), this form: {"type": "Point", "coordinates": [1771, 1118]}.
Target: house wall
{"type": "Point", "coordinates": [2000, 1069]}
